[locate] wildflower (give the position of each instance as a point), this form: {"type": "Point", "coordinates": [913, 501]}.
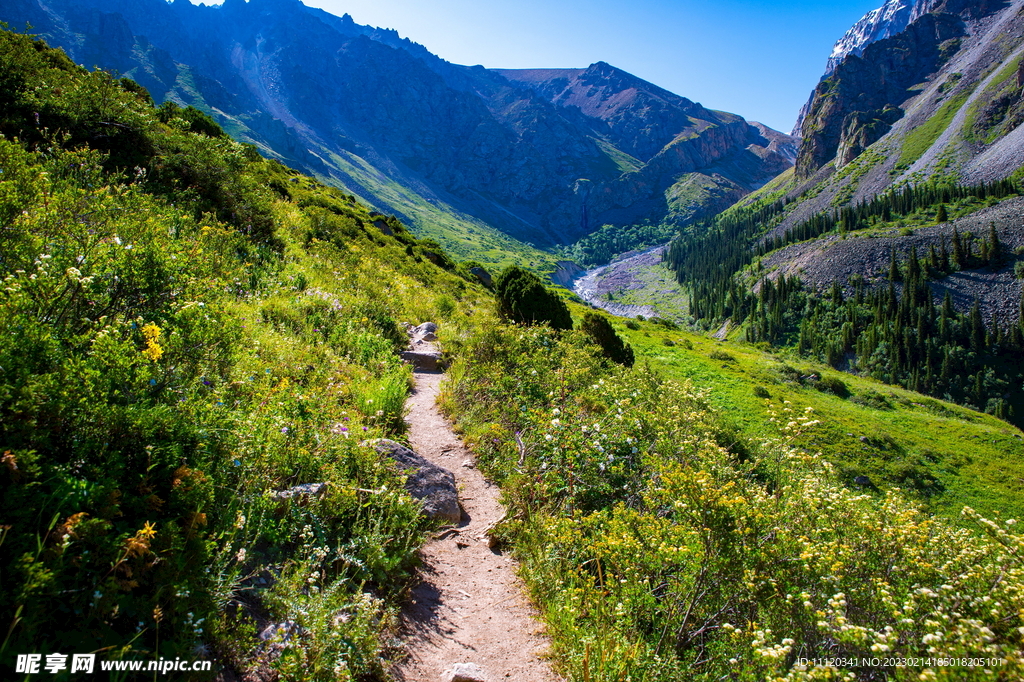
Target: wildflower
{"type": "Point", "coordinates": [153, 349]}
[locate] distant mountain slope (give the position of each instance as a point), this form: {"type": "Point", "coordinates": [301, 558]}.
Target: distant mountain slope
{"type": "Point", "coordinates": [940, 100]}
{"type": "Point", "coordinates": [475, 158]}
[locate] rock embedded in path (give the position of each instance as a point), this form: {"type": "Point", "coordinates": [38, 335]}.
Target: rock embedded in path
{"type": "Point", "coordinates": [465, 672]}
{"type": "Point", "coordinates": [429, 361]}
{"type": "Point", "coordinates": [422, 353]}
{"type": "Point", "coordinates": [432, 485]}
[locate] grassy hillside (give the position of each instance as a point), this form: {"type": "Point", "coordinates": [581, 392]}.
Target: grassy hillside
{"type": "Point", "coordinates": [666, 539]}
{"type": "Point", "coordinates": [187, 333]}
{"type": "Point", "coordinates": [943, 455]}
{"type": "Point", "coordinates": [195, 342]}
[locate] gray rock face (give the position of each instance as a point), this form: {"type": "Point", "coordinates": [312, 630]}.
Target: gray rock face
{"type": "Point", "coordinates": [484, 276]}
{"type": "Point", "coordinates": [434, 486]}
{"type": "Point", "coordinates": [875, 81]}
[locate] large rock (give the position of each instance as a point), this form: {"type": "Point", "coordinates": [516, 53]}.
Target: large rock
{"type": "Point", "coordinates": [427, 360]}
{"type": "Point", "coordinates": [434, 486]}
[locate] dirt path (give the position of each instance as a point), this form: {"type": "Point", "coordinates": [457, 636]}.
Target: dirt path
{"type": "Point", "coordinates": [469, 606]}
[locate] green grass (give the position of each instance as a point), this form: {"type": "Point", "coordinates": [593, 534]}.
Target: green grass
{"type": "Point", "coordinates": [921, 138]}
{"type": "Point", "coordinates": [995, 87]}
{"type": "Point", "coordinates": [623, 161]}
{"type": "Point", "coordinates": [976, 458]}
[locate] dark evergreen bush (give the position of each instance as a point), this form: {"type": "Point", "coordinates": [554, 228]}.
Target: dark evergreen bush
{"type": "Point", "coordinates": [523, 299]}
{"type": "Point", "coordinates": [598, 328]}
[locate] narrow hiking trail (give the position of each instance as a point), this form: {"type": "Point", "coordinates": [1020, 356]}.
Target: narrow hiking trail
{"type": "Point", "coordinates": [469, 605]}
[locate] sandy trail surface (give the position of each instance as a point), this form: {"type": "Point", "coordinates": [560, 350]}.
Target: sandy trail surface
{"type": "Point", "coordinates": [469, 605]}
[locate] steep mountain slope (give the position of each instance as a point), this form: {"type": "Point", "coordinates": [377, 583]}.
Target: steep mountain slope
{"type": "Point", "coordinates": [893, 248]}
{"type": "Point", "coordinates": [939, 76]}
{"type": "Point", "coordinates": [942, 102]}
{"type": "Point", "coordinates": [469, 156]}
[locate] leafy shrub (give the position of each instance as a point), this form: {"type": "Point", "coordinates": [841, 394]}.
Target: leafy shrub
{"type": "Point", "coordinates": [873, 399]}
{"type": "Point", "coordinates": [833, 385]}
{"type": "Point", "coordinates": [762, 392]}
{"type": "Point", "coordinates": [523, 299]}
{"type": "Point", "coordinates": [598, 328]}
{"type": "Point", "coordinates": [632, 324]}
{"type": "Point", "coordinates": [666, 323]}
{"type": "Point", "coordinates": [722, 356]}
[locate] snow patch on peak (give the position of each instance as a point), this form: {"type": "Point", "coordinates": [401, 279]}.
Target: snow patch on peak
{"type": "Point", "coordinates": [886, 21]}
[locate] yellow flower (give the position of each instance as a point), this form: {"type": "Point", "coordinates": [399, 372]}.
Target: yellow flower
{"type": "Point", "coordinates": [153, 349]}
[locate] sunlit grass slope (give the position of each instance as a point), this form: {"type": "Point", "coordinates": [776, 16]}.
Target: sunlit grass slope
{"type": "Point", "coordinates": [194, 342]}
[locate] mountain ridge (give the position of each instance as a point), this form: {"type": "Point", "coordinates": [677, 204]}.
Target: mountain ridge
{"type": "Point", "coordinates": [465, 154]}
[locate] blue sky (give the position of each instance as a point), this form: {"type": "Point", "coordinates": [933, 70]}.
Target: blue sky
{"type": "Point", "coordinates": [756, 58]}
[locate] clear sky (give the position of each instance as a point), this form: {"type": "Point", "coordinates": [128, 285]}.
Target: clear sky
{"type": "Point", "coordinates": [756, 58]}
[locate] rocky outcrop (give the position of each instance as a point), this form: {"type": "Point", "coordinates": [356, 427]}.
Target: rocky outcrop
{"type": "Point", "coordinates": [566, 273]}
{"type": "Point", "coordinates": [432, 485]}
{"type": "Point", "coordinates": [861, 129]}
{"type": "Point", "coordinates": [878, 80]}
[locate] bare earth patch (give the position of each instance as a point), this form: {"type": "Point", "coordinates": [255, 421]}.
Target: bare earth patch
{"type": "Point", "coordinates": [469, 606]}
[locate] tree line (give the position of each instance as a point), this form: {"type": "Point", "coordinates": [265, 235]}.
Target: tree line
{"type": "Point", "coordinates": [898, 332]}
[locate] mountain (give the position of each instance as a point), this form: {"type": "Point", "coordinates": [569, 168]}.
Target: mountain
{"type": "Point", "coordinates": [888, 20]}
{"type": "Point", "coordinates": [894, 248]}
{"type": "Point", "coordinates": [473, 157]}
{"type": "Point", "coordinates": [940, 98]}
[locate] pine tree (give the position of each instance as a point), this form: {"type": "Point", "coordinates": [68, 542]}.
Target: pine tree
{"type": "Point", "coordinates": [941, 216]}
{"type": "Point", "coordinates": [959, 254]}
{"type": "Point", "coordinates": [995, 248]}
{"type": "Point", "coordinates": [894, 267]}
{"type": "Point", "coordinates": [977, 328]}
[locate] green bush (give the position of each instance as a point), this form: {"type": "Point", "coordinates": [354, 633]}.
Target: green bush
{"type": "Point", "coordinates": [523, 299]}
{"type": "Point", "coordinates": [600, 330]}
{"type": "Point", "coordinates": [833, 385]}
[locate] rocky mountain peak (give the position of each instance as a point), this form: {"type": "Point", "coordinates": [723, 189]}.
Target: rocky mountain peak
{"type": "Point", "coordinates": [886, 21]}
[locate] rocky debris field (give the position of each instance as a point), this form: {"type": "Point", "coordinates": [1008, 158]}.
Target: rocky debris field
{"type": "Point", "coordinates": [616, 278]}
{"type": "Point", "coordinates": [822, 261]}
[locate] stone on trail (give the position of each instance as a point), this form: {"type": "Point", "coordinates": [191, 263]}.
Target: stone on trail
{"type": "Point", "coordinates": [434, 486]}
{"type": "Point", "coordinates": [429, 361]}
{"type": "Point", "coordinates": [465, 672]}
